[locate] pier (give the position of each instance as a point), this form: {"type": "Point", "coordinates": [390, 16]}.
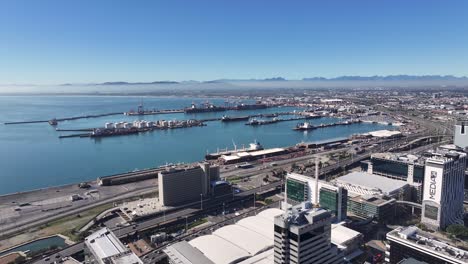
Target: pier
{"type": "Point", "coordinates": [276, 120]}
{"type": "Point", "coordinates": [63, 119]}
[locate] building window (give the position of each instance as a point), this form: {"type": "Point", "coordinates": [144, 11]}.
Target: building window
{"type": "Point", "coordinates": [463, 129]}
{"type": "Point", "coordinates": [431, 212]}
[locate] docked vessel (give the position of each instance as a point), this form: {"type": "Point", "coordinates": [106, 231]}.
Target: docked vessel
{"type": "Point", "coordinates": [304, 126]}
{"type": "Point", "coordinates": [254, 146]}
{"type": "Point", "coordinates": [234, 118]}
{"type": "Point", "coordinates": [255, 122]}
{"type": "Point", "coordinates": [53, 122]}
{"type": "Point", "coordinates": [250, 106]}
{"type": "Point", "coordinates": [103, 132]}
{"type": "Point", "coordinates": [204, 109]}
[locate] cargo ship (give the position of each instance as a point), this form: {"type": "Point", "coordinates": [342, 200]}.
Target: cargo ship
{"type": "Point", "coordinates": [252, 147]}
{"type": "Point", "coordinates": [255, 122]}
{"type": "Point", "coordinates": [250, 106]}
{"type": "Point", "coordinates": [233, 119]}
{"type": "Point", "coordinates": [204, 109]}
{"type": "Point", "coordinates": [106, 132]}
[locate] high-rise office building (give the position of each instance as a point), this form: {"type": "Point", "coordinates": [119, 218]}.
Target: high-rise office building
{"type": "Point", "coordinates": [461, 134]}
{"type": "Point", "coordinates": [302, 235]}
{"type": "Point", "coordinates": [443, 190]}
{"type": "Point", "coordinates": [184, 185]}
{"type": "Point", "coordinates": [301, 188]}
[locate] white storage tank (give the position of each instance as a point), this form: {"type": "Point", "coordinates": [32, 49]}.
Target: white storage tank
{"type": "Point", "coordinates": [109, 125]}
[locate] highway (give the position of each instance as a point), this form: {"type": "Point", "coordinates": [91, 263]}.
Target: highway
{"type": "Point", "coordinates": [154, 222]}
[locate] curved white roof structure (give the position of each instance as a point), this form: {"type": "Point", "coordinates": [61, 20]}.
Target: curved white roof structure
{"type": "Point", "coordinates": [249, 240]}
{"type": "Point", "coordinates": [251, 236]}
{"type": "Point", "coordinates": [219, 250]}
{"type": "Point", "coordinates": [270, 214]}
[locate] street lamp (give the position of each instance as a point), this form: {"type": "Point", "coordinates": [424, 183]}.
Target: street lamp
{"type": "Point", "coordinates": [224, 213]}
{"type": "Point", "coordinates": [201, 201]}
{"type": "Point", "coordinates": [186, 224]}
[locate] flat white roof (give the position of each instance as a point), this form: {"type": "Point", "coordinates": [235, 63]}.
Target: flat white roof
{"type": "Point", "coordinates": [104, 244]}
{"type": "Point", "coordinates": [371, 181]}
{"type": "Point", "coordinates": [341, 234]}
{"type": "Point", "coordinates": [266, 151]}
{"type": "Point", "coordinates": [229, 158]}
{"type": "Point", "coordinates": [384, 133]}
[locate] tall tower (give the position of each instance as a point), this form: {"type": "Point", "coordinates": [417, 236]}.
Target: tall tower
{"type": "Point", "coordinates": [302, 235]}
{"type": "Point", "coordinates": [443, 190]}
{"type": "Point", "coordinates": [461, 134]}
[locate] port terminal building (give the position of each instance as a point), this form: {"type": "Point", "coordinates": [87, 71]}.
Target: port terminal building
{"type": "Point", "coordinates": [183, 185]}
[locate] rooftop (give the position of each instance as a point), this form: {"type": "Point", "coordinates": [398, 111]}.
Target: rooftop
{"type": "Point", "coordinates": [341, 235]}
{"type": "Point", "coordinates": [370, 183]}
{"type": "Point", "coordinates": [249, 237]}
{"type": "Point", "coordinates": [401, 157]}
{"type": "Point", "coordinates": [426, 242]}
{"type": "Point", "coordinates": [104, 244]}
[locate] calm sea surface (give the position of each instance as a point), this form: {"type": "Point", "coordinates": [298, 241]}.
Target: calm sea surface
{"type": "Point", "coordinates": [32, 156]}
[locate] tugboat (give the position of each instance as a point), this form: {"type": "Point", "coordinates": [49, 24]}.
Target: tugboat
{"type": "Point", "coordinates": [304, 126]}
{"type": "Point", "coordinates": [53, 122]}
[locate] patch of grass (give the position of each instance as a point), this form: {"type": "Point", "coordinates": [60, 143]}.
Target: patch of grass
{"type": "Point", "coordinates": [197, 223]}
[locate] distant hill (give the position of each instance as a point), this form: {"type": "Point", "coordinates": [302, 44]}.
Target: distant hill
{"type": "Point", "coordinates": [138, 83]}
{"type": "Point", "coordinates": [389, 78]}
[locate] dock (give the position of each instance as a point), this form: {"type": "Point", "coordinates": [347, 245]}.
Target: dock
{"type": "Point", "coordinates": [63, 119]}
{"type": "Point", "coordinates": [274, 121]}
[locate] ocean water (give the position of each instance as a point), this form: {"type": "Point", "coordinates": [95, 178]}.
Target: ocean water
{"type": "Point", "coordinates": [32, 156]}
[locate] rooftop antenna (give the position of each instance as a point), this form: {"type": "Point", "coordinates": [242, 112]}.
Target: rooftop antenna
{"type": "Point", "coordinates": [285, 193]}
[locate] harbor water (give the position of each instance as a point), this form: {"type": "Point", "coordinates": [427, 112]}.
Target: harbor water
{"type": "Point", "coordinates": [32, 156]}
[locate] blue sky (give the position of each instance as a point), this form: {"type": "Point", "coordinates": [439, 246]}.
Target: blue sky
{"type": "Point", "coordinates": [92, 41]}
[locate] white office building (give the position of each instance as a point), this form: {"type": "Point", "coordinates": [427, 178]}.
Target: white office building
{"type": "Point", "coordinates": [443, 189]}
{"type": "Point", "coordinates": [461, 134]}
{"type": "Point", "coordinates": [301, 188]}
{"type": "Point", "coordinates": [303, 235]}
{"type": "Point", "coordinates": [103, 247]}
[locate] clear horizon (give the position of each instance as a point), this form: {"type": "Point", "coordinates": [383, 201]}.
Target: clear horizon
{"type": "Point", "coordinates": [53, 42]}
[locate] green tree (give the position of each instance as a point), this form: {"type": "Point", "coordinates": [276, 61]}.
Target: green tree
{"type": "Point", "coordinates": [459, 231]}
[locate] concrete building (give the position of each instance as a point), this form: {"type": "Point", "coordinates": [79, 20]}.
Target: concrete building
{"type": "Point", "coordinates": [377, 207]}
{"type": "Point", "coordinates": [362, 183]}
{"type": "Point", "coordinates": [443, 189]}
{"type": "Point", "coordinates": [461, 134]}
{"type": "Point", "coordinates": [184, 185]}
{"type": "Point", "coordinates": [404, 167]}
{"type": "Point", "coordinates": [411, 242]}
{"type": "Point", "coordinates": [301, 188]}
{"type": "Point", "coordinates": [103, 247]}
{"type": "Point", "coordinates": [303, 235]}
